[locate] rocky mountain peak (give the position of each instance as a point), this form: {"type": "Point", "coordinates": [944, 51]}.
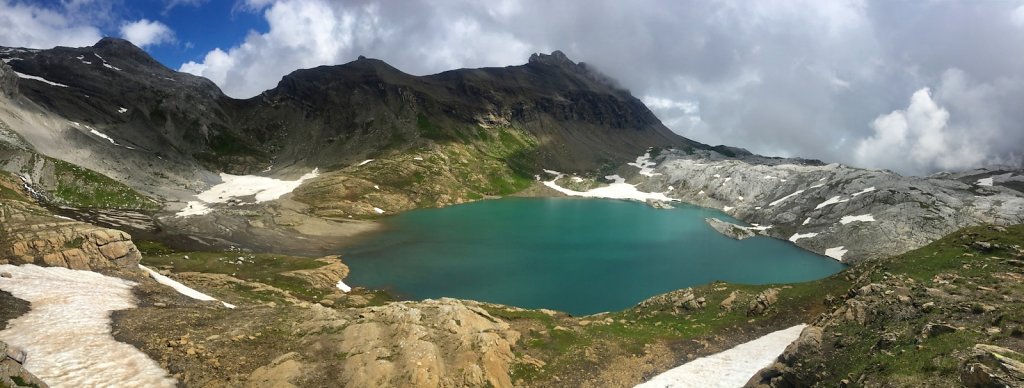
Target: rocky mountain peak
{"type": "Point", "coordinates": [116, 48]}
{"type": "Point", "coordinates": [556, 58]}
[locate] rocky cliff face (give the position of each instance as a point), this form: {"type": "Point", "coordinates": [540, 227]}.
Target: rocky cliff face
{"type": "Point", "coordinates": [847, 213]}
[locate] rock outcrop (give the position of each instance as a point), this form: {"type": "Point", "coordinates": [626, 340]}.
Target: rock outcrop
{"type": "Point", "coordinates": [8, 81]}
{"type": "Point", "coordinates": [849, 214]}
{"type": "Point", "coordinates": [325, 277]}
{"type": "Point", "coordinates": [434, 343]}
{"type": "Point", "coordinates": [786, 371]}
{"type": "Point", "coordinates": [674, 301]}
{"type": "Point", "coordinates": [12, 373]}
{"type": "Point", "coordinates": [993, 366]}
{"type": "Point", "coordinates": [763, 301]}
{"type": "Point", "coordinates": [729, 229]}
{"type": "Point", "coordinates": [30, 235]}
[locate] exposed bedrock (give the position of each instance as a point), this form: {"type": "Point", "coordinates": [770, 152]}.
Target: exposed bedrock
{"type": "Point", "coordinates": [847, 213]}
{"type": "Point", "coordinates": [30, 235]}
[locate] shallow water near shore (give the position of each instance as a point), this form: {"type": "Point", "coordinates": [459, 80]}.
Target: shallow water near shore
{"type": "Point", "coordinates": [581, 256]}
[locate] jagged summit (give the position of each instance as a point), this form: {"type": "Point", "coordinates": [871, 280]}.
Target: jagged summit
{"type": "Point", "coordinates": [556, 58]}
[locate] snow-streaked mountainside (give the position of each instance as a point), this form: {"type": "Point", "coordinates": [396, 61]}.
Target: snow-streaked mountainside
{"type": "Point", "coordinates": [383, 142]}
{"type": "Point", "coordinates": [847, 213]}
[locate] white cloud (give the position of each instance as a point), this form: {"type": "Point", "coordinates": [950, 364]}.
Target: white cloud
{"type": "Point", "coordinates": [171, 4]}
{"type": "Point", "coordinates": [24, 25]}
{"type": "Point", "coordinates": [308, 33]}
{"type": "Point", "coordinates": [145, 32]}
{"type": "Point", "coordinates": [1018, 15]}
{"type": "Point", "coordinates": [920, 140]}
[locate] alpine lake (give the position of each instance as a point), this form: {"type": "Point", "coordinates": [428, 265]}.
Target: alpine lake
{"type": "Point", "coordinates": [581, 256]}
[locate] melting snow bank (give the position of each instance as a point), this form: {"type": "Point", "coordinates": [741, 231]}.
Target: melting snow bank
{"type": "Point", "coordinates": [617, 190]}
{"type": "Point", "coordinates": [40, 79]}
{"type": "Point", "coordinates": [836, 253]}
{"type": "Point", "coordinates": [343, 287]}
{"type": "Point", "coordinates": [731, 368]}
{"type": "Point", "coordinates": [238, 186]}
{"type": "Point", "coordinates": [181, 288]}
{"type": "Point", "coordinates": [862, 218]}
{"type": "Point", "coordinates": [646, 166]}
{"type": "Point", "coordinates": [67, 331]}
{"type": "Point", "coordinates": [797, 236]}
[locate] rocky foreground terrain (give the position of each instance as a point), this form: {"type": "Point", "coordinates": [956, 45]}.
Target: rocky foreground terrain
{"type": "Point", "coordinates": [943, 315]}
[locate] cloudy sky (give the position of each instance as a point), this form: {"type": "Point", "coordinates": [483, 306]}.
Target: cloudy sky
{"type": "Point", "coordinates": [913, 86]}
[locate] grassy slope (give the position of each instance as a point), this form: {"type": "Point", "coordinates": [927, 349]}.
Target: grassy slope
{"type": "Point", "coordinates": [979, 291]}
{"type": "Point", "coordinates": [81, 187]}
{"type": "Point", "coordinates": [76, 186]}
{"type": "Point", "coordinates": [264, 268]}
{"type": "Point", "coordinates": [458, 166]}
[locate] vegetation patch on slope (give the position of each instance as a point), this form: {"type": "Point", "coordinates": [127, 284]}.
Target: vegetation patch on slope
{"type": "Point", "coordinates": [81, 187]}
{"type": "Point", "coordinates": [493, 162]}
{"type": "Point", "coordinates": [924, 317]}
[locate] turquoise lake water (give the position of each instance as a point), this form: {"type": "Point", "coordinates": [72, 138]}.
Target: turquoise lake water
{"type": "Point", "coordinates": [581, 256]}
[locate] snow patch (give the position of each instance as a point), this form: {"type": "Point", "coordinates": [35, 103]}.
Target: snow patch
{"type": "Point", "coordinates": [830, 201]}
{"type": "Point", "coordinates": [836, 253]}
{"type": "Point", "coordinates": [862, 218]}
{"type": "Point", "coordinates": [378, 210]}
{"type": "Point", "coordinates": [731, 368]}
{"type": "Point", "coordinates": [806, 221]}
{"type": "Point", "coordinates": [236, 186]}
{"type": "Point", "coordinates": [181, 288]}
{"type": "Point", "coordinates": [364, 162]}
{"type": "Point", "coordinates": [122, 110]}
{"type": "Point", "coordinates": [67, 331]}
{"type": "Point", "coordinates": [865, 191]}
{"type": "Point", "coordinates": [107, 65]}
{"type": "Point", "coordinates": [343, 287]}
{"type": "Point", "coordinates": [985, 181]}
{"type": "Point", "coordinates": [778, 201]}
{"type": "Point", "coordinates": [646, 166]}
{"type": "Point", "coordinates": [798, 236]}
{"type": "Point", "coordinates": [417, 158]}
{"type": "Point", "coordinates": [40, 79]}
{"type": "Point", "coordinates": [727, 208]}
{"type": "Point", "coordinates": [103, 135]}
{"type": "Point", "coordinates": [619, 189]}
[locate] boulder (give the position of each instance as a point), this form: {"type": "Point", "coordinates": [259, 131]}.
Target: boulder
{"type": "Point", "coordinates": [789, 369]}
{"type": "Point", "coordinates": [992, 366]}
{"type": "Point", "coordinates": [763, 301]}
